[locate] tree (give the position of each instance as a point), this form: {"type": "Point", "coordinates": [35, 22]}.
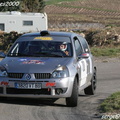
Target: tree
{"type": "Point", "coordinates": [32, 6]}
{"type": "Point", "coordinates": [22, 5]}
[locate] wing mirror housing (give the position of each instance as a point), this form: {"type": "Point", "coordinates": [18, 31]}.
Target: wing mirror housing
{"type": "Point", "coordinates": [84, 55]}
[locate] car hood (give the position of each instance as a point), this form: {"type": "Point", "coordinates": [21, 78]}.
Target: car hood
{"type": "Point", "coordinates": [32, 65]}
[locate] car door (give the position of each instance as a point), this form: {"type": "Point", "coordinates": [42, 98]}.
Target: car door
{"type": "Point", "coordinates": [89, 60]}
{"type": "Point", "coordinates": [81, 63]}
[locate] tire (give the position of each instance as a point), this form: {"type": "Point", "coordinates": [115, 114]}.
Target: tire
{"type": "Point", "coordinates": [73, 100]}
{"type": "Point", "coordinates": [90, 90]}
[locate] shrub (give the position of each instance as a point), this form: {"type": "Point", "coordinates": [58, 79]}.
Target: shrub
{"type": "Point", "coordinates": [8, 38]}
{"type": "Point", "coordinates": [102, 37]}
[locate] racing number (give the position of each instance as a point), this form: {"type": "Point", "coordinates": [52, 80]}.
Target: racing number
{"type": "Point", "coordinates": [83, 68]}
{"type": "Point", "coordinates": [90, 65]}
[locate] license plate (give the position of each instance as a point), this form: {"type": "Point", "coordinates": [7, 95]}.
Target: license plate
{"type": "Point", "coordinates": [28, 85]}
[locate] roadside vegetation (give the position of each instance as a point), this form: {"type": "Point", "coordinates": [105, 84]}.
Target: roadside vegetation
{"type": "Point", "coordinates": [106, 51]}
{"type": "Point", "coordinates": [7, 39]}
{"type": "Point", "coordinates": [111, 104]}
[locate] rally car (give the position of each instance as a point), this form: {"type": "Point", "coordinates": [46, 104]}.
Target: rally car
{"type": "Point", "coordinates": [48, 65]}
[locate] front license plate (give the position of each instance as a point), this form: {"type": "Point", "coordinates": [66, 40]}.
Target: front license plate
{"type": "Point", "coordinates": [28, 85]}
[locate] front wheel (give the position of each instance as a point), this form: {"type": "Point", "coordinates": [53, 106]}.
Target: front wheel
{"type": "Point", "coordinates": [73, 100]}
{"type": "Point", "coordinates": [90, 90]}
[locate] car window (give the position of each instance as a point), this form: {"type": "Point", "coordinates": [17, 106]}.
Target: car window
{"type": "Point", "coordinates": [41, 49]}
{"type": "Point", "coordinates": [84, 44]}
{"type": "Point", "coordinates": [78, 47]}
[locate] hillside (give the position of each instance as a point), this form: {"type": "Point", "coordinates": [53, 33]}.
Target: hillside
{"type": "Point", "coordinates": [101, 12]}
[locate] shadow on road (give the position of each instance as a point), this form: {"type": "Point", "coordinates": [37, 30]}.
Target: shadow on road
{"type": "Point", "coordinates": [35, 102]}
{"type": "Point", "coordinates": [31, 102]}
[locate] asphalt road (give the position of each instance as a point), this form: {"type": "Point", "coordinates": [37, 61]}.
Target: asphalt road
{"type": "Point", "coordinates": [87, 109]}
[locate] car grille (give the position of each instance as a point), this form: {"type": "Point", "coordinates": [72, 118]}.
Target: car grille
{"type": "Point", "coordinates": [1, 90]}
{"type": "Point", "coordinates": [37, 75]}
{"type": "Point", "coordinates": [42, 75]}
{"type": "Point", "coordinates": [15, 75]}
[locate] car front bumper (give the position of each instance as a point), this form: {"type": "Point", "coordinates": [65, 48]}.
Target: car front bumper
{"type": "Point", "coordinates": [50, 88]}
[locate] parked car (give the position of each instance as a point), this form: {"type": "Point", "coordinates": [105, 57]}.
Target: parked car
{"type": "Point", "coordinates": [48, 65]}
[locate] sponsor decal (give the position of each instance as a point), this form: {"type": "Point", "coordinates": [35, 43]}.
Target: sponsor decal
{"type": "Point", "coordinates": [25, 61]}
{"type": "Point", "coordinates": [51, 84]}
{"type": "Point", "coordinates": [43, 38]}
{"type": "Point", "coordinates": [4, 83]}
{"type": "Point", "coordinates": [22, 60]}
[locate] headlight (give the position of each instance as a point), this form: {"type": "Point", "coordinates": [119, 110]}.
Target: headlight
{"type": "Point", "coordinates": [60, 72]}
{"type": "Point", "coordinates": [3, 72]}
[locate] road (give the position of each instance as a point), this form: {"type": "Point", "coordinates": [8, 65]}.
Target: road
{"type": "Point", "coordinates": [87, 109]}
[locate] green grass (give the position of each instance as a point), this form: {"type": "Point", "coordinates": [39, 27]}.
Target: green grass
{"type": "Point", "coordinates": [111, 104]}
{"type": "Point", "coordinates": [70, 6]}
{"type": "Point", "coordinates": [106, 51]}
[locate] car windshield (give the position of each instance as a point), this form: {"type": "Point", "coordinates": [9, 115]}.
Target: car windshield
{"type": "Point", "coordinates": [41, 49]}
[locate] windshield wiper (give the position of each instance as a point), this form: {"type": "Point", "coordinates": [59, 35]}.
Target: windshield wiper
{"type": "Point", "coordinates": [38, 54]}
{"type": "Point", "coordinates": [12, 54]}
{"type": "Point", "coordinates": [20, 55]}
{"type": "Point", "coordinates": [25, 55]}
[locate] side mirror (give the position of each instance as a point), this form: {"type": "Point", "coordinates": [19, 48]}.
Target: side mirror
{"type": "Point", "coordinates": [84, 55]}
{"type": "Point", "coordinates": [2, 55]}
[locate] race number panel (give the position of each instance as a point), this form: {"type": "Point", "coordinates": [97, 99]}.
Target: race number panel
{"type": "Point", "coordinates": [83, 67]}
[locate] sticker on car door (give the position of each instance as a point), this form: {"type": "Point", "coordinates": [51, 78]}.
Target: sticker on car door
{"type": "Point", "coordinates": [83, 67]}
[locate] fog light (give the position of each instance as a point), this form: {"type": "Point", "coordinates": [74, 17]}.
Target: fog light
{"type": "Point", "coordinates": [59, 91]}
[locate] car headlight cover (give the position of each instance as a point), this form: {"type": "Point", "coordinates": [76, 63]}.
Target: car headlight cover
{"type": "Point", "coordinates": [3, 72]}
{"type": "Point", "coordinates": [60, 72]}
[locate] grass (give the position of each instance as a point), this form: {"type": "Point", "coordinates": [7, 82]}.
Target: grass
{"type": "Point", "coordinates": [96, 12]}
{"type": "Point", "coordinates": [106, 51]}
{"type": "Point", "coordinates": [111, 104]}
{"type": "Point", "coordinates": [49, 2]}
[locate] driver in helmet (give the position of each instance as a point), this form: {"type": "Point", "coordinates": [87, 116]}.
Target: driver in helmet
{"type": "Point", "coordinates": [63, 48]}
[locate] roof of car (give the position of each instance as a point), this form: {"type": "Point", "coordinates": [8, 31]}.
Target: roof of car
{"type": "Point", "coordinates": [51, 33]}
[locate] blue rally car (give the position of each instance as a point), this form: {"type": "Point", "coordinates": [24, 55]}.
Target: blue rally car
{"type": "Point", "coordinates": [48, 65]}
